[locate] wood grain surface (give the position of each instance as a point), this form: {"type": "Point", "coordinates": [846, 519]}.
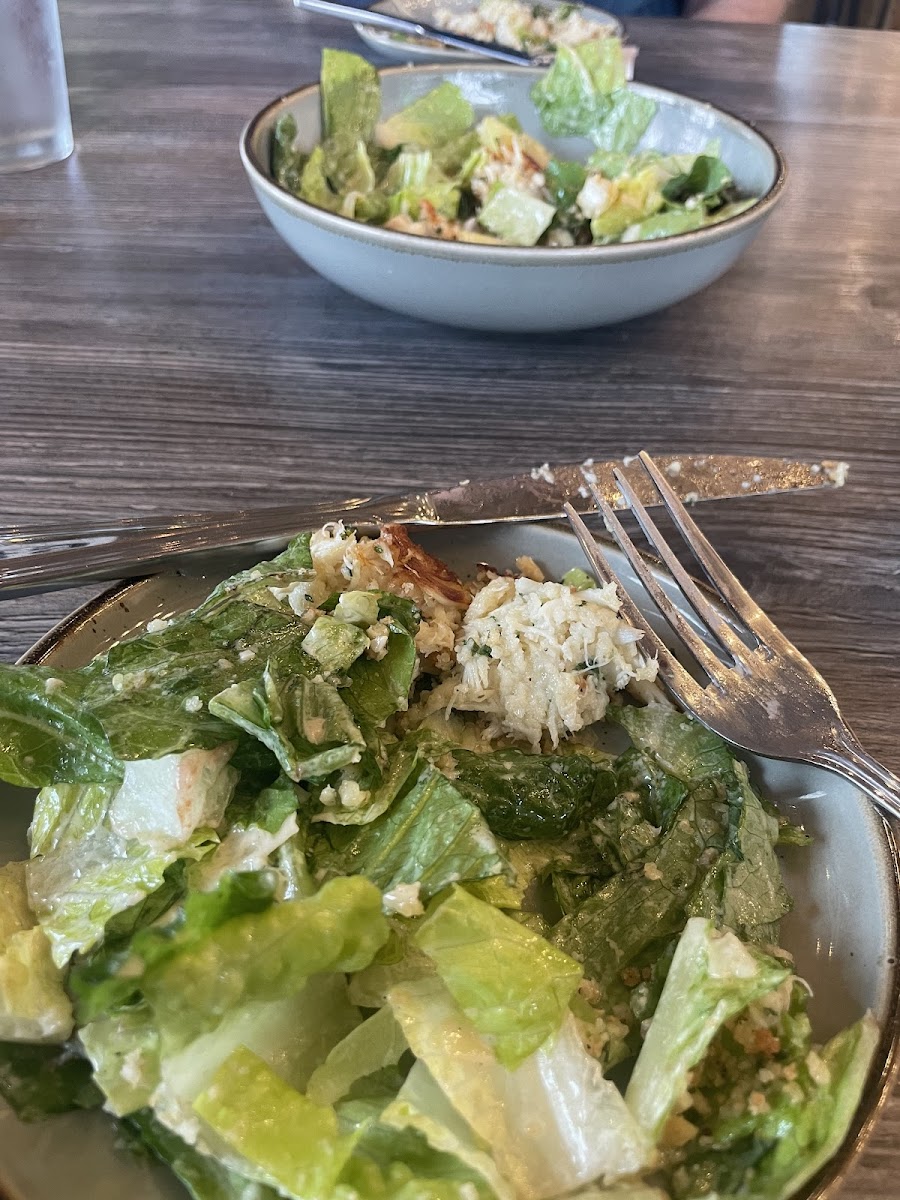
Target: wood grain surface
{"type": "Point", "coordinates": [161, 350]}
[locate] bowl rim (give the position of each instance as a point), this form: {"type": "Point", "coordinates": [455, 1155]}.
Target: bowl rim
{"type": "Point", "coordinates": [547, 256]}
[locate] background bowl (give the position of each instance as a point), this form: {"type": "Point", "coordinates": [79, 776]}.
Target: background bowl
{"type": "Point", "coordinates": [511, 288]}
{"type": "Point", "coordinates": [411, 50]}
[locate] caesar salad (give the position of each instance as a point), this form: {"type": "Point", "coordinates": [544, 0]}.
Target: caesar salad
{"type": "Point", "coordinates": [334, 893]}
{"type": "Point", "coordinates": [536, 28]}
{"type": "Point", "coordinates": [436, 169]}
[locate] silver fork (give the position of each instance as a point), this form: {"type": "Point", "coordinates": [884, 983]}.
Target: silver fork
{"type": "Point", "coordinates": [761, 694]}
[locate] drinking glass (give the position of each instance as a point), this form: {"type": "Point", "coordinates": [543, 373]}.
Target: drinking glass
{"type": "Point", "coordinates": [35, 126]}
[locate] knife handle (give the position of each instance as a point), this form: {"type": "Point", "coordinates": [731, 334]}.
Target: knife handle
{"type": "Point", "coordinates": [37, 558]}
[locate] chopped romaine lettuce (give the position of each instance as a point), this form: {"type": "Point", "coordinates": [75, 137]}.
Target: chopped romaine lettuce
{"type": "Point", "coordinates": [441, 116]}
{"type": "Point", "coordinates": [48, 735]}
{"type": "Point", "coordinates": [515, 216]}
{"type": "Point", "coordinates": [351, 97]}
{"type": "Point", "coordinates": [34, 1006]}
{"type": "Point", "coordinates": [511, 983]}
{"type": "Point", "coordinates": [525, 796]}
{"type": "Point", "coordinates": [305, 723]}
{"type": "Point", "coordinates": [552, 1125]}
{"type": "Point", "coordinates": [247, 869]}
{"type": "Point", "coordinates": [265, 956]}
{"type": "Point", "coordinates": [295, 1143]}
{"type": "Point", "coordinates": [713, 977]}
{"type": "Point", "coordinates": [377, 1043]}
{"type": "Point", "coordinates": [431, 837]}
{"type": "Point", "coordinates": [438, 169]}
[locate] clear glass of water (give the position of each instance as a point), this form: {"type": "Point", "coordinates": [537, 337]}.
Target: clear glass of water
{"type": "Point", "coordinates": [35, 125]}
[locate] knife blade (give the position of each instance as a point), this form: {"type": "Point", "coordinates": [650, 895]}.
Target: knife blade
{"type": "Point", "coordinates": [34, 559]}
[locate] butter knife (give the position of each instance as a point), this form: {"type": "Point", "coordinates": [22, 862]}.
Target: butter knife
{"type": "Point", "coordinates": [35, 559]}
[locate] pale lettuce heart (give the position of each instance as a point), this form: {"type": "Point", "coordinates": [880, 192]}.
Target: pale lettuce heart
{"type": "Point", "coordinates": [376, 1043]}
{"type": "Point", "coordinates": [421, 1105]}
{"type": "Point", "coordinates": [512, 984]}
{"type": "Point", "coordinates": [553, 1124]}
{"type": "Point", "coordinates": [162, 801]}
{"type": "Point", "coordinates": [241, 850]}
{"type": "Point", "coordinates": [713, 977]}
{"type": "Point", "coordinates": [34, 1006]}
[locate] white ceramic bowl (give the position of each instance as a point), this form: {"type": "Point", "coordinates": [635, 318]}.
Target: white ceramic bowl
{"type": "Point", "coordinates": [511, 288]}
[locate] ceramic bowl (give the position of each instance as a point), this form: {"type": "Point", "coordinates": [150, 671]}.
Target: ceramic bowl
{"type": "Point", "coordinates": [511, 288]}
{"type": "Point", "coordinates": [843, 931]}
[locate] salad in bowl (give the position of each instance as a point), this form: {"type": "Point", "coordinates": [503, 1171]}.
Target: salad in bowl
{"type": "Point", "coordinates": [437, 169]}
{"type": "Point", "coordinates": [340, 886]}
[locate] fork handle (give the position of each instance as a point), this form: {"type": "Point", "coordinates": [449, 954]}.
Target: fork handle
{"type": "Point", "coordinates": [846, 757]}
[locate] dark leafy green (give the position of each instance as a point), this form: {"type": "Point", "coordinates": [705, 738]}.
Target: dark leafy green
{"type": "Point", "coordinates": [433, 835]}
{"type": "Point", "coordinates": [46, 736]}
{"type": "Point", "coordinates": [42, 1081]}
{"type": "Point", "coordinates": [526, 796]}
{"type": "Point", "coordinates": [112, 974]}
{"type": "Point", "coordinates": [204, 1177]}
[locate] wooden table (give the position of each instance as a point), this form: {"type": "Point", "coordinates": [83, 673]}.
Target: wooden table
{"type": "Point", "coordinates": [160, 349]}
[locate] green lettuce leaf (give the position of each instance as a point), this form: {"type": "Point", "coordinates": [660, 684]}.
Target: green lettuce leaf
{"type": "Point", "coordinates": [770, 1108]}
{"type": "Point", "coordinates": [42, 1081]}
{"type": "Point", "coordinates": [112, 974]}
{"type": "Point", "coordinates": [822, 1123]}
{"type": "Point", "coordinates": [398, 961]}
{"type": "Point", "coordinates": [526, 796]}
{"type": "Point", "coordinates": [34, 1006]}
{"type": "Point", "coordinates": [379, 687]}
{"type": "Point", "coordinates": [334, 644]}
{"type": "Point", "coordinates": [77, 888]}
{"type": "Point", "coordinates": [515, 216]}
{"type": "Point", "coordinates": [124, 1051]}
{"type": "Point", "coordinates": [314, 186]}
{"type": "Point", "coordinates": [265, 956]}
{"type": "Point", "coordinates": [665, 224]}
{"type": "Point", "coordinates": [48, 737]}
{"type": "Point", "coordinates": [573, 96]}
{"type": "Point", "coordinates": [707, 177]}
{"type": "Point", "coordinates": [376, 1043]}
{"type": "Point", "coordinates": [712, 978]}
{"type": "Point", "coordinates": [151, 694]}
{"type": "Point", "coordinates": [291, 1140]}
{"type": "Point", "coordinates": [379, 793]}
{"type": "Point", "coordinates": [636, 912]}
{"type": "Point", "coordinates": [287, 160]}
{"type": "Point", "coordinates": [67, 812]}
{"type": "Point", "coordinates": [305, 724]}
{"type": "Point", "coordinates": [421, 1107]}
{"type": "Point", "coordinates": [637, 197]}
{"type": "Point", "coordinates": [432, 836]}
{"type": "Point", "coordinates": [625, 122]}
{"type": "Point", "coordinates": [351, 97]}
{"type": "Point", "coordinates": [552, 1125]}
{"type": "Point", "coordinates": [292, 1035]}
{"type": "Point", "coordinates": [441, 116]}
{"type": "Point", "coordinates": [512, 984]}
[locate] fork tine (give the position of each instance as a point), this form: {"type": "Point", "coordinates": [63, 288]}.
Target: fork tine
{"type": "Point", "coordinates": [718, 574]}
{"type": "Point", "coordinates": [708, 660]}
{"type": "Point", "coordinates": [673, 673]}
{"type": "Point", "coordinates": [719, 628]}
